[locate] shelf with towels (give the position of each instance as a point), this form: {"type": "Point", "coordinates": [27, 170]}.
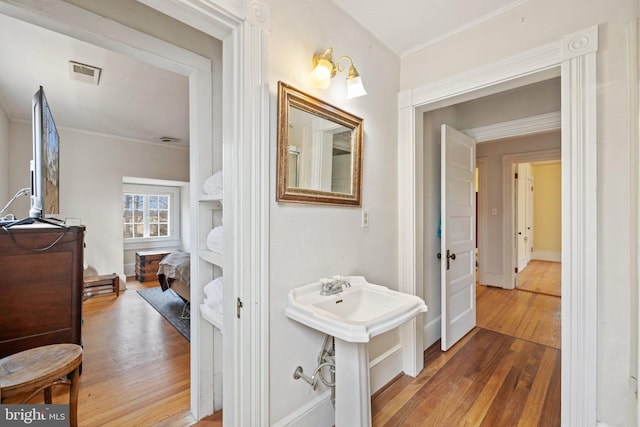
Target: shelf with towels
{"type": "Point", "coordinates": [211, 316]}
{"type": "Point", "coordinates": [211, 257]}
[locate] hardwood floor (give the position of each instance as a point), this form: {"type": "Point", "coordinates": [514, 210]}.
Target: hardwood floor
{"type": "Point", "coordinates": [505, 372]}
{"type": "Point", "coordinates": [542, 277]}
{"type": "Point", "coordinates": [526, 315]}
{"type": "Point", "coordinates": [135, 365]}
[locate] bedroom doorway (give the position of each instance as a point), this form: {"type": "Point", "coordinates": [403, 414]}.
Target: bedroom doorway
{"type": "Point", "coordinates": [78, 23]}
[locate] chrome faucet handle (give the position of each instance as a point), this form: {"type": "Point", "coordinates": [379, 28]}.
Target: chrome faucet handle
{"type": "Point", "coordinates": [326, 284]}
{"type": "Point", "coordinates": [342, 281]}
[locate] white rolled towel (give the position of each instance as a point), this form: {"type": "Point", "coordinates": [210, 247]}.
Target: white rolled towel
{"type": "Point", "coordinates": [215, 240]}
{"type": "Point", "coordinates": [214, 184]}
{"type": "Point", "coordinates": [213, 294]}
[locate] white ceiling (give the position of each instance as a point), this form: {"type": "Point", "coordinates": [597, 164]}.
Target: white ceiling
{"type": "Point", "coordinates": [408, 25]}
{"type": "Point", "coordinates": [139, 101]}
{"type": "Point", "coordinates": [133, 99]}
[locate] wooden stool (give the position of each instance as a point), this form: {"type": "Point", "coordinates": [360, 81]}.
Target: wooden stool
{"type": "Point", "coordinates": [37, 369]}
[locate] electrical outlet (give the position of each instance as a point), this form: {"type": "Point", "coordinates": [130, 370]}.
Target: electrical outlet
{"type": "Point", "coordinates": [365, 218]}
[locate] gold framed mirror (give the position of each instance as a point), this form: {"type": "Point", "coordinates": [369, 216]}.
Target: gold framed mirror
{"type": "Point", "coordinates": [319, 151]}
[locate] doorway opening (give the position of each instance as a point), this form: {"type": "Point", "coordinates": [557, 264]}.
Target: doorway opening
{"type": "Point", "coordinates": [578, 87]}
{"type": "Point", "coordinates": [538, 220]}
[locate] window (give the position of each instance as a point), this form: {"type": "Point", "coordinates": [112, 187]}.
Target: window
{"type": "Point", "coordinates": [150, 213]}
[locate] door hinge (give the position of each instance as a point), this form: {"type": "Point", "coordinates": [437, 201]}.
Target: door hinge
{"type": "Point", "coordinates": [516, 175]}
{"type": "Point", "coordinates": [238, 307]}
{"type": "Point", "coordinates": [516, 269]}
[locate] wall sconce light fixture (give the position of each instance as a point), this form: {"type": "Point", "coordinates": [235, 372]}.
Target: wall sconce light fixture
{"type": "Point", "coordinates": [324, 69]}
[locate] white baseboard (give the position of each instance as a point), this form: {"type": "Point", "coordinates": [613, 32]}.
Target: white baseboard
{"type": "Point", "coordinates": [492, 279]}
{"type": "Point", "coordinates": [130, 269]}
{"type": "Point", "coordinates": [547, 256]}
{"type": "Point", "coordinates": [431, 332]}
{"type": "Point", "coordinates": [385, 367]}
{"type": "Point", "coordinates": [318, 412]}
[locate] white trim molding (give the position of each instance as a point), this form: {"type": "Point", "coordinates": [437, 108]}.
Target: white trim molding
{"type": "Point", "coordinates": [546, 122]}
{"type": "Point", "coordinates": [575, 57]}
{"type": "Point", "coordinates": [410, 332]}
{"type": "Point", "coordinates": [546, 256]}
{"type": "Point", "coordinates": [579, 228]}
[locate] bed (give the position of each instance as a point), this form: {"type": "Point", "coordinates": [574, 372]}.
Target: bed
{"type": "Point", "coordinates": [174, 273]}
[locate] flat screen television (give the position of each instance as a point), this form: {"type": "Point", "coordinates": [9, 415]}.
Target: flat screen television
{"type": "Point", "coordinates": [45, 176]}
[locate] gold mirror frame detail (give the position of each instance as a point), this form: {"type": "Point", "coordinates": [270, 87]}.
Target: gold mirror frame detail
{"type": "Point", "coordinates": [291, 98]}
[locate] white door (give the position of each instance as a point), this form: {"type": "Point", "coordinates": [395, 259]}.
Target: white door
{"type": "Point", "coordinates": [521, 215]}
{"type": "Point", "coordinates": [530, 224]}
{"type": "Point", "coordinates": [458, 204]}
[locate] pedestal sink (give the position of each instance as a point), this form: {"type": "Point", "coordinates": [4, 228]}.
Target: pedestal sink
{"type": "Point", "coordinates": [353, 316]}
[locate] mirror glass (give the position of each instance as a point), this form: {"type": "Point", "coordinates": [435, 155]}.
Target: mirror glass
{"type": "Point", "coordinates": [319, 151]}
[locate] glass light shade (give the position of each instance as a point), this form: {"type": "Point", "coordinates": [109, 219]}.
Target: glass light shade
{"type": "Point", "coordinates": [321, 74]}
{"type": "Point", "coordinates": [355, 88]}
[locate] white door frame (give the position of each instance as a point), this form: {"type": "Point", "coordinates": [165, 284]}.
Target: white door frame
{"type": "Point", "coordinates": [243, 31]}
{"type": "Point", "coordinates": [575, 54]}
{"type": "Point", "coordinates": [509, 255]}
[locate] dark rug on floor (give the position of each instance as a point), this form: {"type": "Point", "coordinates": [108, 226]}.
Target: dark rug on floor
{"type": "Point", "coordinates": [169, 305]}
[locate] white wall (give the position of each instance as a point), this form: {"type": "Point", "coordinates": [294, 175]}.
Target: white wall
{"type": "Point", "coordinates": [310, 242]}
{"type": "Point", "coordinates": [4, 160]}
{"type": "Point", "coordinates": [538, 98]}
{"type": "Point", "coordinates": [91, 171]}
{"type": "Point", "coordinates": [532, 24]}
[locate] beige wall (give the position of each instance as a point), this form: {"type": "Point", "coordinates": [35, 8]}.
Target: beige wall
{"type": "Point", "coordinates": [533, 24]}
{"type": "Point", "coordinates": [310, 242]}
{"type": "Point", "coordinates": [91, 171]}
{"type": "Point", "coordinates": [547, 208]}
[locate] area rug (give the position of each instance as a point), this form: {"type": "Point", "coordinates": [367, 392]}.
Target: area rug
{"type": "Point", "coordinates": [169, 305]}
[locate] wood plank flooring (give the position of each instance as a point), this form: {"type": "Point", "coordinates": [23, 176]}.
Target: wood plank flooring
{"type": "Point", "coordinates": [506, 372]}
{"type": "Point", "coordinates": [542, 277]}
{"type": "Point", "coordinates": [135, 365]}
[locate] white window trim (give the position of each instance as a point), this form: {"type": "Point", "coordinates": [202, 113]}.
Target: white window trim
{"type": "Point", "coordinates": [174, 214]}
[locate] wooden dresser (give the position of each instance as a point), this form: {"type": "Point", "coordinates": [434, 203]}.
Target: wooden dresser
{"type": "Point", "coordinates": [40, 287]}
{"type": "Point", "coordinates": [147, 264]}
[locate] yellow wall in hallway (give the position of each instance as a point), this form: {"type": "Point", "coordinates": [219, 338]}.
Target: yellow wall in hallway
{"type": "Point", "coordinates": [547, 207]}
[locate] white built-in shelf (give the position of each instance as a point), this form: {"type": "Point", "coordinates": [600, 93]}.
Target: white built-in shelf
{"type": "Point", "coordinates": [211, 316]}
{"type": "Point", "coordinates": [215, 201]}
{"type": "Point", "coordinates": [210, 198]}
{"type": "Point", "coordinates": [211, 257]}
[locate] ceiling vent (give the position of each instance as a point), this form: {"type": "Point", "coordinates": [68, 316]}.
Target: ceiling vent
{"type": "Point", "coordinates": [84, 73]}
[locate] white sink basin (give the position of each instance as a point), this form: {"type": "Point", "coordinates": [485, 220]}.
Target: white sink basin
{"type": "Point", "coordinates": [356, 314]}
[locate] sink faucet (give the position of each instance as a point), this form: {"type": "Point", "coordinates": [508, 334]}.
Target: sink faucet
{"type": "Point", "coordinates": [334, 285]}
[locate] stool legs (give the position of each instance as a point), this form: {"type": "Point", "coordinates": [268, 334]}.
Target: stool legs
{"type": "Point", "coordinates": [73, 398]}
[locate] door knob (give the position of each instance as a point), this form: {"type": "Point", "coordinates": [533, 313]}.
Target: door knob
{"type": "Point", "coordinates": [450, 257]}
